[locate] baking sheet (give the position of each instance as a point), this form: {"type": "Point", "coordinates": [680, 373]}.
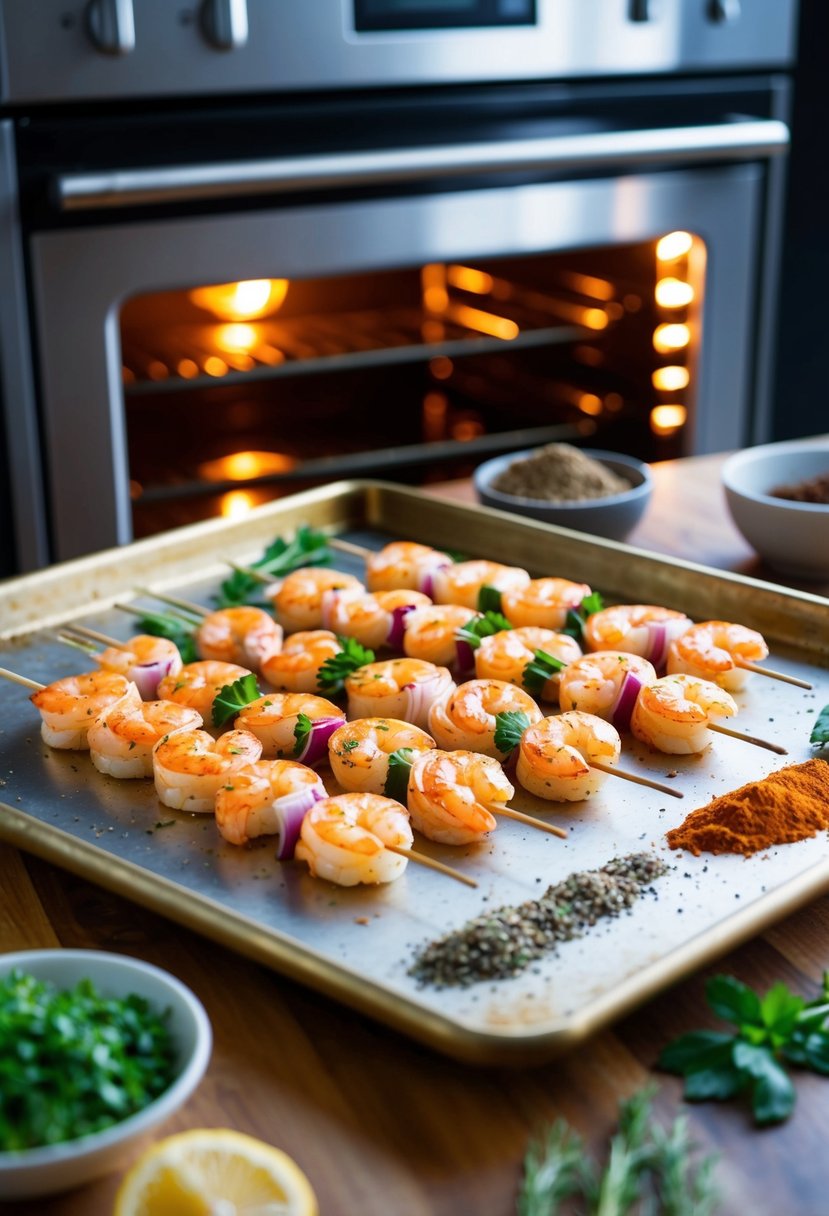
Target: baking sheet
{"type": "Point", "coordinates": [358, 944]}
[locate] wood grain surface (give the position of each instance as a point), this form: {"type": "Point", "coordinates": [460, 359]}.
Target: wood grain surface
{"type": "Point", "coordinates": [384, 1127]}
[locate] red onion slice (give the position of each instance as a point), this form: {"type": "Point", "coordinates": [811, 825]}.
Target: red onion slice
{"type": "Point", "coordinates": [464, 657]}
{"type": "Point", "coordinates": [315, 749]}
{"type": "Point", "coordinates": [147, 676]}
{"type": "Point", "coordinates": [426, 577]}
{"type": "Point", "coordinates": [421, 696]}
{"type": "Point", "coordinates": [289, 812]}
{"type": "Point", "coordinates": [398, 626]}
{"type": "Point", "coordinates": [657, 646]}
{"type": "Point", "coordinates": [622, 709]}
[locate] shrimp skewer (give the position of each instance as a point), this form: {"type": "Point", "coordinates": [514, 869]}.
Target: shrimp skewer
{"type": "Point", "coordinates": [543, 602]}
{"type": "Point", "coordinates": [723, 653]}
{"type": "Point", "coordinates": [242, 634]}
{"type": "Point", "coordinates": [510, 654]}
{"type": "Point", "coordinates": [565, 758]}
{"type": "Point", "coordinates": [296, 667]}
{"type": "Point", "coordinates": [398, 688]}
{"type": "Point", "coordinates": [400, 564]}
{"type": "Point", "coordinates": [144, 659]}
{"type": "Point", "coordinates": [276, 720]}
{"type": "Point", "coordinates": [643, 629]}
{"type": "Point", "coordinates": [452, 796]}
{"type": "Point", "coordinates": [267, 798]}
{"type": "Point", "coordinates": [431, 634]}
{"type": "Point", "coordinates": [605, 683]}
{"type": "Point", "coordinates": [68, 707]}
{"type": "Point", "coordinates": [197, 684]}
{"type": "Point", "coordinates": [673, 714]}
{"type": "Point", "coordinates": [190, 766]}
{"type": "Point", "coordinates": [463, 582]}
{"type": "Point", "coordinates": [466, 717]}
{"type": "Point", "coordinates": [361, 838]}
{"type": "Point", "coordinates": [298, 598]}
{"type": "Point", "coordinates": [122, 739]}
{"type": "Point", "coordinates": [374, 619]}
{"type": "Point", "coordinates": [360, 751]}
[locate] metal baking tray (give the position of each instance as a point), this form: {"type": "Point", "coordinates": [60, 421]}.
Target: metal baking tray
{"type": "Point", "coordinates": [357, 944]}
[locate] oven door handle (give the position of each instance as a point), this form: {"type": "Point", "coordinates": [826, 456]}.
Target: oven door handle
{"type": "Point", "coordinates": [741, 139]}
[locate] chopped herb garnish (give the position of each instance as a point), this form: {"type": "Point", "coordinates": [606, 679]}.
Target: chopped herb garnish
{"type": "Point", "coordinates": [509, 727]}
{"type": "Point", "coordinates": [542, 668]}
{"type": "Point", "coordinates": [301, 732]}
{"type": "Point", "coordinates": [308, 548]}
{"type": "Point", "coordinates": [820, 731]}
{"type": "Point", "coordinates": [73, 1062]}
{"type": "Point", "coordinates": [397, 778]}
{"type": "Point", "coordinates": [332, 674]}
{"type": "Point", "coordinates": [350, 744]}
{"type": "Point", "coordinates": [576, 617]}
{"type": "Point", "coordinates": [489, 599]}
{"type": "Point", "coordinates": [233, 697]}
{"type": "Point", "coordinates": [480, 627]}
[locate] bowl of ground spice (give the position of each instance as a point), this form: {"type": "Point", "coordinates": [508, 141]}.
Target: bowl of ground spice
{"type": "Point", "coordinates": [603, 493]}
{"type": "Point", "coordinates": [778, 496]}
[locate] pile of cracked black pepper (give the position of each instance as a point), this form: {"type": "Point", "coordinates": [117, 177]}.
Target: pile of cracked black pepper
{"type": "Point", "coordinates": [501, 943]}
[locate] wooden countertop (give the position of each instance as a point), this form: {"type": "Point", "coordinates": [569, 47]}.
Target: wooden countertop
{"type": "Point", "coordinates": [383, 1126]}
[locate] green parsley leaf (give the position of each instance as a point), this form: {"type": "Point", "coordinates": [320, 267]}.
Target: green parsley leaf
{"type": "Point", "coordinates": [772, 1093]}
{"type": "Point", "coordinates": [820, 731]}
{"type": "Point", "coordinates": [539, 671]}
{"type": "Point", "coordinates": [489, 599]}
{"type": "Point", "coordinates": [397, 778]}
{"type": "Point", "coordinates": [308, 548]}
{"type": "Point", "coordinates": [509, 727]}
{"type": "Point", "coordinates": [576, 617]}
{"type": "Point", "coordinates": [301, 732]}
{"type": "Point", "coordinates": [333, 672]}
{"type": "Point", "coordinates": [233, 697]}
{"type": "Point", "coordinates": [479, 627]}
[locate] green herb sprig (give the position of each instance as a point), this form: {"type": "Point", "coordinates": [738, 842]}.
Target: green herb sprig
{"type": "Point", "coordinates": [175, 628]}
{"type": "Point", "coordinates": [301, 732]}
{"type": "Point", "coordinates": [820, 731]}
{"type": "Point", "coordinates": [576, 617]}
{"type": "Point", "coordinates": [332, 674]}
{"type": "Point", "coordinates": [772, 1030]}
{"type": "Point", "coordinates": [397, 778]}
{"type": "Point", "coordinates": [648, 1169]}
{"type": "Point", "coordinates": [542, 668]}
{"type": "Point", "coordinates": [509, 727]}
{"type": "Point", "coordinates": [308, 548]}
{"type": "Point", "coordinates": [489, 599]}
{"type": "Point", "coordinates": [480, 627]}
{"type": "Point", "coordinates": [233, 697]}
{"type": "Point", "coordinates": [73, 1062]}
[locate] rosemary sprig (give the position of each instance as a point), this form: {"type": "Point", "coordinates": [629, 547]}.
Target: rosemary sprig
{"type": "Point", "coordinates": [308, 548]}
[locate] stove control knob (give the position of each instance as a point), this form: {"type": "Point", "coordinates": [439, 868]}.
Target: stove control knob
{"type": "Point", "coordinates": [225, 23]}
{"type": "Point", "coordinates": [110, 25]}
{"type": "Point", "coordinates": [724, 11]}
{"type": "Point", "coordinates": [643, 10]}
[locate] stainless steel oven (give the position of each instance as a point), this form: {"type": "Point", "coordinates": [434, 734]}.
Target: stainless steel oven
{"type": "Point", "coordinates": [252, 246]}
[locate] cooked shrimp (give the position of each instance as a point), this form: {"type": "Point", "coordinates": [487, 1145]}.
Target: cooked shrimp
{"type": "Point", "coordinates": [374, 619]}
{"type": "Point", "coordinates": [275, 719]}
{"type": "Point", "coordinates": [344, 839]}
{"type": "Point", "coordinates": [197, 684]}
{"type": "Point", "coordinates": [296, 666]}
{"type": "Point", "coordinates": [466, 717]}
{"type": "Point", "coordinates": [267, 798]}
{"type": "Point", "coordinates": [452, 795]}
{"type": "Point", "coordinates": [144, 659]}
{"type": "Point", "coordinates": [643, 629]}
{"type": "Point", "coordinates": [122, 739]}
{"type": "Point", "coordinates": [359, 751]}
{"type": "Point", "coordinates": [672, 714]}
{"type": "Point", "coordinates": [507, 655]}
{"type": "Point", "coordinates": [68, 707]}
{"type": "Point", "coordinates": [190, 766]}
{"type": "Point", "coordinates": [398, 688]}
{"type": "Point", "coordinates": [462, 582]}
{"type": "Point", "coordinates": [714, 650]}
{"type": "Point", "coordinates": [555, 756]}
{"type": "Point", "coordinates": [431, 634]}
{"type": "Point", "coordinates": [542, 601]}
{"type": "Point", "coordinates": [298, 598]}
{"type": "Point", "coordinates": [404, 564]}
{"type": "Point", "coordinates": [606, 683]}
{"type": "Point", "coordinates": [244, 635]}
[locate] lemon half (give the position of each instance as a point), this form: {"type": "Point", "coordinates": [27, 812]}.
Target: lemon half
{"type": "Point", "coordinates": [215, 1172]}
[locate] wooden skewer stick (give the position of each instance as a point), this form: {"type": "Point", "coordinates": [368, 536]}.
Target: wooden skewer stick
{"type": "Point", "coordinates": [772, 674]}
{"type": "Point", "coordinates": [95, 636]}
{"type": "Point", "coordinates": [87, 647]}
{"type": "Point", "coordinates": [348, 546]}
{"type": "Point", "coordinates": [510, 813]}
{"type": "Point", "coordinates": [187, 605]}
{"type": "Point", "coordinates": [736, 734]}
{"type": "Point", "coordinates": [618, 772]}
{"type": "Point", "coordinates": [186, 622]}
{"type": "Point", "coordinates": [423, 860]}
{"type": "Point", "coordinates": [16, 679]}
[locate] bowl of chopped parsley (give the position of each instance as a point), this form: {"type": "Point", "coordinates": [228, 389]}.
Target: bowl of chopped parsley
{"type": "Point", "coordinates": [96, 1050]}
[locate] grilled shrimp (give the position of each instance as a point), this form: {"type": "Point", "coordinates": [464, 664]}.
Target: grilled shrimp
{"type": "Point", "coordinates": [144, 659]}
{"type": "Point", "coordinates": [296, 666]}
{"type": "Point", "coordinates": [507, 655]}
{"type": "Point", "coordinates": [245, 635]}
{"type": "Point", "coordinates": [466, 717]}
{"type": "Point", "coordinates": [359, 751]}
{"type": "Point", "coordinates": [431, 634]}
{"type": "Point", "coordinates": [643, 629]}
{"type": "Point", "coordinates": [344, 839]}
{"type": "Point", "coordinates": [275, 720]}
{"type": "Point", "coordinates": [68, 707]}
{"type": "Point", "coordinates": [672, 714]}
{"type": "Point", "coordinates": [404, 564]}
{"type": "Point", "coordinates": [197, 684]}
{"type": "Point", "coordinates": [267, 798]}
{"type": "Point", "coordinates": [452, 795]}
{"type": "Point", "coordinates": [555, 756]}
{"type": "Point", "coordinates": [122, 739]}
{"type": "Point", "coordinates": [606, 683]}
{"type": "Point", "coordinates": [462, 582]}
{"type": "Point", "coordinates": [398, 688]}
{"type": "Point", "coordinates": [374, 619]}
{"type": "Point", "coordinates": [190, 766]}
{"type": "Point", "coordinates": [714, 650]}
{"type": "Point", "coordinates": [298, 598]}
{"type": "Point", "coordinates": [542, 601]}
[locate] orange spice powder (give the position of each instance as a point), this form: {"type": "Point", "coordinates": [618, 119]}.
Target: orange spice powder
{"type": "Point", "coordinates": [791, 804]}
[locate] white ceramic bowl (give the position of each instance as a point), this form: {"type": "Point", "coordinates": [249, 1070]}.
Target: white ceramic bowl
{"type": "Point", "coordinates": [57, 1167]}
{"type": "Point", "coordinates": [793, 537]}
{"type": "Point", "coordinates": [612, 517]}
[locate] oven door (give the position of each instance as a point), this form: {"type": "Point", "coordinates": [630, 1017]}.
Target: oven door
{"type": "Point", "coordinates": [340, 214]}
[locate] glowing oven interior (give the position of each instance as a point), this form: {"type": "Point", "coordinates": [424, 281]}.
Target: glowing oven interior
{"type": "Point", "coordinates": [242, 392]}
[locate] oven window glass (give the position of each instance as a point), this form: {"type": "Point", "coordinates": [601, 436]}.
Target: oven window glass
{"type": "Point", "coordinates": [241, 392]}
{"type": "Point", "coordinates": [441, 14]}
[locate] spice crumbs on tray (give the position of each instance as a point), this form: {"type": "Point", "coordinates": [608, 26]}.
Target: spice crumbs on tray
{"type": "Point", "coordinates": [503, 942]}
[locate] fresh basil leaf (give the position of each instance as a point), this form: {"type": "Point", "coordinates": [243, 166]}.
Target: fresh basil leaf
{"type": "Point", "coordinates": [733, 1001]}
{"type": "Point", "coordinates": [820, 731]}
{"type": "Point", "coordinates": [772, 1095]}
{"type": "Point", "coordinates": [509, 727]}
{"type": "Point", "coordinates": [695, 1050]}
{"type": "Point", "coordinates": [233, 697]}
